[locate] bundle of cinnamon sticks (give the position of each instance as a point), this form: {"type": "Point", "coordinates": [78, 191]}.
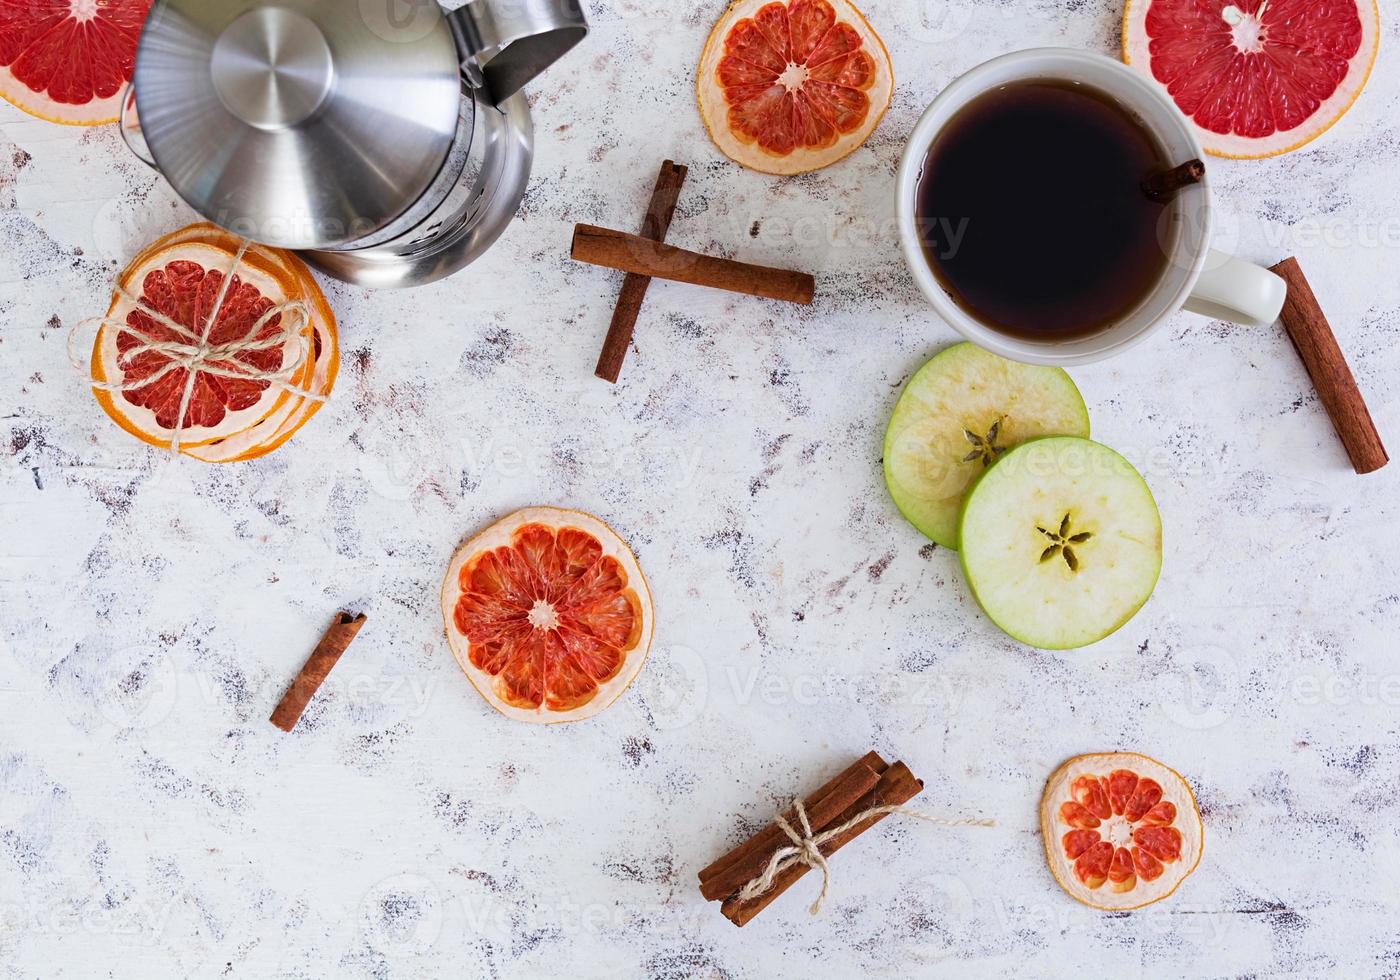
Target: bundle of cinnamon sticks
{"type": "Point", "coordinates": [869, 783]}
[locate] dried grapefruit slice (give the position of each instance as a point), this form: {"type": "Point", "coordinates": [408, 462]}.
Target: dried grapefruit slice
{"type": "Point", "coordinates": [182, 277]}
{"type": "Point", "coordinates": [319, 376]}
{"type": "Point", "coordinates": [1256, 77]}
{"type": "Point", "coordinates": [787, 87]}
{"type": "Point", "coordinates": [548, 614]}
{"type": "Point", "coordinates": [1121, 830]}
{"type": "Point", "coordinates": [67, 60]}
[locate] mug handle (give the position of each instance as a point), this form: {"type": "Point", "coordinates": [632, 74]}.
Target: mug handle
{"type": "Point", "coordinates": [1238, 291]}
{"type": "Point", "coordinates": [506, 43]}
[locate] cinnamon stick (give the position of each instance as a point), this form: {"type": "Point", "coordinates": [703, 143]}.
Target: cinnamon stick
{"type": "Point", "coordinates": [896, 786]}
{"type": "Point", "coordinates": [633, 253]}
{"type": "Point", "coordinates": [745, 862]}
{"type": "Point", "coordinates": [1317, 345]}
{"type": "Point", "coordinates": [1163, 186]}
{"type": "Point", "coordinates": [318, 666]}
{"type": "Point", "coordinates": [655, 226]}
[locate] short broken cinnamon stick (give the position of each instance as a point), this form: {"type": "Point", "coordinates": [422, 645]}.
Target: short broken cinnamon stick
{"type": "Point", "coordinates": [1317, 345]}
{"type": "Point", "coordinates": [896, 787]}
{"type": "Point", "coordinates": [318, 666]}
{"type": "Point", "coordinates": [746, 862]}
{"type": "Point", "coordinates": [633, 253]}
{"type": "Point", "coordinates": [1163, 186]}
{"type": "Point", "coordinates": [655, 226]}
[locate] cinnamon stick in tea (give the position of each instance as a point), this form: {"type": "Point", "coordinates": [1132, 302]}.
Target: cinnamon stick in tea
{"type": "Point", "coordinates": [655, 226]}
{"type": "Point", "coordinates": [897, 786]}
{"type": "Point", "coordinates": [1317, 345]}
{"type": "Point", "coordinates": [633, 253]}
{"type": "Point", "coordinates": [1162, 186]}
{"type": "Point", "coordinates": [747, 861]}
{"type": "Point", "coordinates": [318, 667]}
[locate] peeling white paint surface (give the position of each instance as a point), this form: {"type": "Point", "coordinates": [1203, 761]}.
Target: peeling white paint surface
{"type": "Point", "coordinates": [153, 824]}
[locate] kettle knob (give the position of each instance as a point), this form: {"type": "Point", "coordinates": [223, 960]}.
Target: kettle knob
{"type": "Point", "coordinates": [272, 68]}
{"type": "Point", "coordinates": [507, 43]}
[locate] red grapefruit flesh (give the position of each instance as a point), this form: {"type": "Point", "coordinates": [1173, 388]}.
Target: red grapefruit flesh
{"type": "Point", "coordinates": [187, 292]}
{"type": "Point", "coordinates": [1256, 77]}
{"type": "Point", "coordinates": [67, 60]}
{"type": "Point", "coordinates": [548, 615]}
{"type": "Point", "coordinates": [787, 87]}
{"type": "Point", "coordinates": [1121, 830]}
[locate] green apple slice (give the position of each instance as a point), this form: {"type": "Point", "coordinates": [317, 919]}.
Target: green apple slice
{"type": "Point", "coordinates": [957, 415]}
{"type": "Point", "coordinates": [1062, 542]}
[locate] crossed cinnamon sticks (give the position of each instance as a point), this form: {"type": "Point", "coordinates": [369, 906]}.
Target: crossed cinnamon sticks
{"type": "Point", "coordinates": [645, 257]}
{"type": "Point", "coordinates": [869, 783]}
{"type": "Point", "coordinates": [655, 226]}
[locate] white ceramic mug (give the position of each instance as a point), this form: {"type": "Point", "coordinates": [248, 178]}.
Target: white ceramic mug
{"type": "Point", "coordinates": [1198, 278]}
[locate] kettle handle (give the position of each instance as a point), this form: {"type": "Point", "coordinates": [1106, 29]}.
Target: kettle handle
{"type": "Point", "coordinates": [130, 125]}
{"type": "Point", "coordinates": [506, 43]}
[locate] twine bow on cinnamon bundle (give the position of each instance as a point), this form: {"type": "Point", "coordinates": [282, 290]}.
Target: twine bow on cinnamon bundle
{"type": "Point", "coordinates": [751, 876]}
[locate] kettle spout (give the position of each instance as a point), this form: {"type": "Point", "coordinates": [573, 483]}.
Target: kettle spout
{"type": "Point", "coordinates": [503, 49]}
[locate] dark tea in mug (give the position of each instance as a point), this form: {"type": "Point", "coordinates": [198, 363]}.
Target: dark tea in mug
{"type": "Point", "coordinates": [1032, 214]}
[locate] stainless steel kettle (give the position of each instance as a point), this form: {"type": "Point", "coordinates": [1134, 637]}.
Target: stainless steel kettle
{"type": "Point", "coordinates": [387, 140]}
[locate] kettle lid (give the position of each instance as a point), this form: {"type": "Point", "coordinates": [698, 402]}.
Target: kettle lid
{"type": "Point", "coordinates": [304, 124]}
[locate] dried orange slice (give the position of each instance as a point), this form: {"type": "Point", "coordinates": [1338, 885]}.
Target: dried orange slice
{"type": "Point", "coordinates": [787, 87]}
{"type": "Point", "coordinates": [548, 614]}
{"type": "Point", "coordinates": [228, 416]}
{"type": "Point", "coordinates": [1121, 830]}
{"type": "Point", "coordinates": [1256, 77]}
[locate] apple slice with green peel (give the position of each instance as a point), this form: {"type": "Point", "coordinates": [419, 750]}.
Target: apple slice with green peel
{"type": "Point", "coordinates": [1062, 542]}
{"type": "Point", "coordinates": [957, 415]}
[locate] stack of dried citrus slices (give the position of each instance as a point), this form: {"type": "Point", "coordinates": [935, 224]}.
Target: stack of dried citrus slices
{"type": "Point", "coordinates": [215, 348]}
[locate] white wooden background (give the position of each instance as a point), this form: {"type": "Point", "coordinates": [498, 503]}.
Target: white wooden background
{"type": "Point", "coordinates": [152, 824]}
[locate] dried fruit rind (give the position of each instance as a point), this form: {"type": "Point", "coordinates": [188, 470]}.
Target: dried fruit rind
{"type": "Point", "coordinates": [548, 615]}
{"type": "Point", "coordinates": [1121, 830]}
